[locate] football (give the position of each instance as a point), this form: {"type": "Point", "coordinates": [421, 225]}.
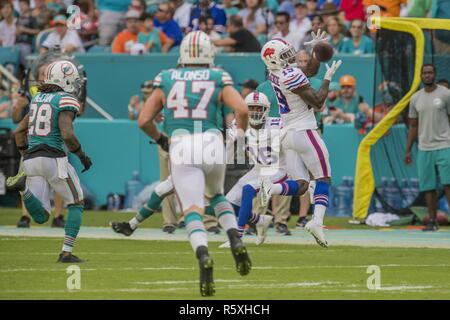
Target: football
{"type": "Point", "coordinates": [323, 51]}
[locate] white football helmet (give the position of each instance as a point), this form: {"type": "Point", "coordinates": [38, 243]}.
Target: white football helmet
{"type": "Point", "coordinates": [64, 74]}
{"type": "Point", "coordinates": [196, 48]}
{"type": "Point", "coordinates": [278, 54]}
{"type": "Point", "coordinates": [259, 99]}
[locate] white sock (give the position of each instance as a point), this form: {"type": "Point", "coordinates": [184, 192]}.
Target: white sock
{"type": "Point", "coordinates": [134, 223]}
{"type": "Point", "coordinates": [276, 189]}
{"type": "Point", "coordinates": [319, 213]}
{"type": "Point", "coordinates": [198, 239]}
{"type": "Point", "coordinates": [228, 221]}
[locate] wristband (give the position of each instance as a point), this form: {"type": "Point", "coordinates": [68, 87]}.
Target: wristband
{"type": "Point", "coordinates": [24, 147]}
{"type": "Point", "coordinates": [78, 149]}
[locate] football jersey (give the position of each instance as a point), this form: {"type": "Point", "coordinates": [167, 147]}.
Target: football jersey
{"type": "Point", "coordinates": [43, 126]}
{"type": "Point", "coordinates": [192, 98]}
{"type": "Point", "coordinates": [293, 110]}
{"type": "Point", "coordinates": [264, 144]}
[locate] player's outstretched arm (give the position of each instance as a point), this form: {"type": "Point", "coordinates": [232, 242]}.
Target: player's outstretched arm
{"type": "Point", "coordinates": [20, 134]}
{"type": "Point", "coordinates": [233, 99]}
{"type": "Point", "coordinates": [314, 99]}
{"type": "Point", "coordinates": [65, 122]}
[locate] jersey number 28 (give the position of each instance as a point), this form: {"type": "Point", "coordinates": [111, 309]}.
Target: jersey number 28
{"type": "Point", "coordinates": [40, 119]}
{"type": "Point", "coordinates": [178, 101]}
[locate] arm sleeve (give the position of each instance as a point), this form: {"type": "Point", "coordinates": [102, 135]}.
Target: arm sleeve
{"type": "Point", "coordinates": [412, 113]}
{"type": "Point", "coordinates": [294, 78]}
{"type": "Point", "coordinates": [69, 103]}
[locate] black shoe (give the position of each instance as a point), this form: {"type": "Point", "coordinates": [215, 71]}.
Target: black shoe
{"type": "Point", "coordinates": [58, 222]}
{"type": "Point", "coordinates": [122, 227]}
{"type": "Point", "coordinates": [181, 225]}
{"type": "Point", "coordinates": [301, 222]}
{"type": "Point", "coordinates": [169, 229]}
{"type": "Point", "coordinates": [24, 222]}
{"type": "Point", "coordinates": [251, 230]}
{"type": "Point", "coordinates": [214, 230]}
{"type": "Point", "coordinates": [206, 264]}
{"type": "Point", "coordinates": [70, 258]}
{"type": "Point", "coordinates": [240, 255]}
{"type": "Point", "coordinates": [18, 182]}
{"type": "Point", "coordinates": [431, 226]}
{"type": "Point", "coordinates": [282, 228]}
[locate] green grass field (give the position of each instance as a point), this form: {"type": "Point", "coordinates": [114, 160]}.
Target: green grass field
{"type": "Point", "coordinates": [136, 269]}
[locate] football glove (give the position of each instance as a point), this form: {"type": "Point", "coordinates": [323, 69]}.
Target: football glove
{"type": "Point", "coordinates": [331, 70]}
{"type": "Point", "coordinates": [163, 142]}
{"type": "Point", "coordinates": [85, 160]}
{"type": "Point", "coordinates": [320, 36]}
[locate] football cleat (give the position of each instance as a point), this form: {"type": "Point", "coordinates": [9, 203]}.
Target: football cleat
{"type": "Point", "coordinates": [261, 228]}
{"type": "Point", "coordinates": [206, 264]}
{"type": "Point", "coordinates": [316, 231]}
{"type": "Point", "coordinates": [431, 226]}
{"type": "Point", "coordinates": [301, 222]}
{"type": "Point", "coordinates": [18, 182]}
{"type": "Point", "coordinates": [69, 258]}
{"type": "Point", "coordinates": [225, 245]}
{"type": "Point", "coordinates": [122, 227]}
{"type": "Point", "coordinates": [58, 222]}
{"type": "Point", "coordinates": [239, 251]}
{"type": "Point", "coordinates": [266, 186]}
{"type": "Point", "coordinates": [24, 222]}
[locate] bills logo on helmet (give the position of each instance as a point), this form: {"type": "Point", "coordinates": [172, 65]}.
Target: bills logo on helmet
{"type": "Point", "coordinates": [268, 52]}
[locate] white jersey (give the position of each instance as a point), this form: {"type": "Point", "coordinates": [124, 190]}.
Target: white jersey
{"type": "Point", "coordinates": [263, 145]}
{"type": "Point", "coordinates": [293, 110]}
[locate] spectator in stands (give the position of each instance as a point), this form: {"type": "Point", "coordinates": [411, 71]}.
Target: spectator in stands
{"type": "Point", "coordinates": [283, 32]}
{"type": "Point", "coordinates": [26, 29]}
{"type": "Point", "coordinates": [345, 107]}
{"type": "Point", "coordinates": [136, 103]}
{"type": "Point", "coordinates": [256, 18]}
{"type": "Point", "coordinates": [111, 19]}
{"type": "Point", "coordinates": [301, 24]}
{"type": "Point", "coordinates": [287, 6]}
{"type": "Point", "coordinates": [125, 40]}
{"type": "Point", "coordinates": [208, 8]}
{"type": "Point", "coordinates": [248, 87]}
{"type": "Point", "coordinates": [42, 14]}
{"type": "Point", "coordinates": [89, 23]}
{"type": "Point", "coordinates": [311, 6]}
{"type": "Point", "coordinates": [164, 22]}
{"type": "Point", "coordinates": [153, 39]}
{"type": "Point", "coordinates": [68, 40]}
{"type": "Point", "coordinates": [388, 8]}
{"type": "Point", "coordinates": [352, 9]}
{"type": "Point", "coordinates": [137, 5]}
{"type": "Point", "coordinates": [429, 112]}
{"type": "Point", "coordinates": [239, 39]}
{"type": "Point", "coordinates": [316, 25]}
{"type": "Point", "coordinates": [229, 8]}
{"type": "Point", "coordinates": [182, 13]}
{"type": "Point", "coordinates": [334, 29]}
{"type": "Point", "coordinates": [7, 25]}
{"type": "Point", "coordinates": [328, 11]}
{"type": "Point", "coordinates": [206, 25]}
{"type": "Point", "coordinates": [359, 43]}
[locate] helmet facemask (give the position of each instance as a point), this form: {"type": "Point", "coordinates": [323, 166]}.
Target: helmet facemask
{"type": "Point", "coordinates": [287, 56]}
{"type": "Point", "coordinates": [257, 114]}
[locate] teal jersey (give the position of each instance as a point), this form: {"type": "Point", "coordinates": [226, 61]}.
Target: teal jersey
{"type": "Point", "coordinates": [365, 46]}
{"type": "Point", "coordinates": [351, 107]}
{"type": "Point", "coordinates": [152, 37]}
{"type": "Point", "coordinates": [192, 98]}
{"type": "Point", "coordinates": [43, 126]}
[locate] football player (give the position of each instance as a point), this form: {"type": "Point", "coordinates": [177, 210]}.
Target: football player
{"type": "Point", "coordinates": [304, 146]}
{"type": "Point", "coordinates": [40, 137]}
{"type": "Point", "coordinates": [263, 147]}
{"type": "Point", "coordinates": [191, 96]}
